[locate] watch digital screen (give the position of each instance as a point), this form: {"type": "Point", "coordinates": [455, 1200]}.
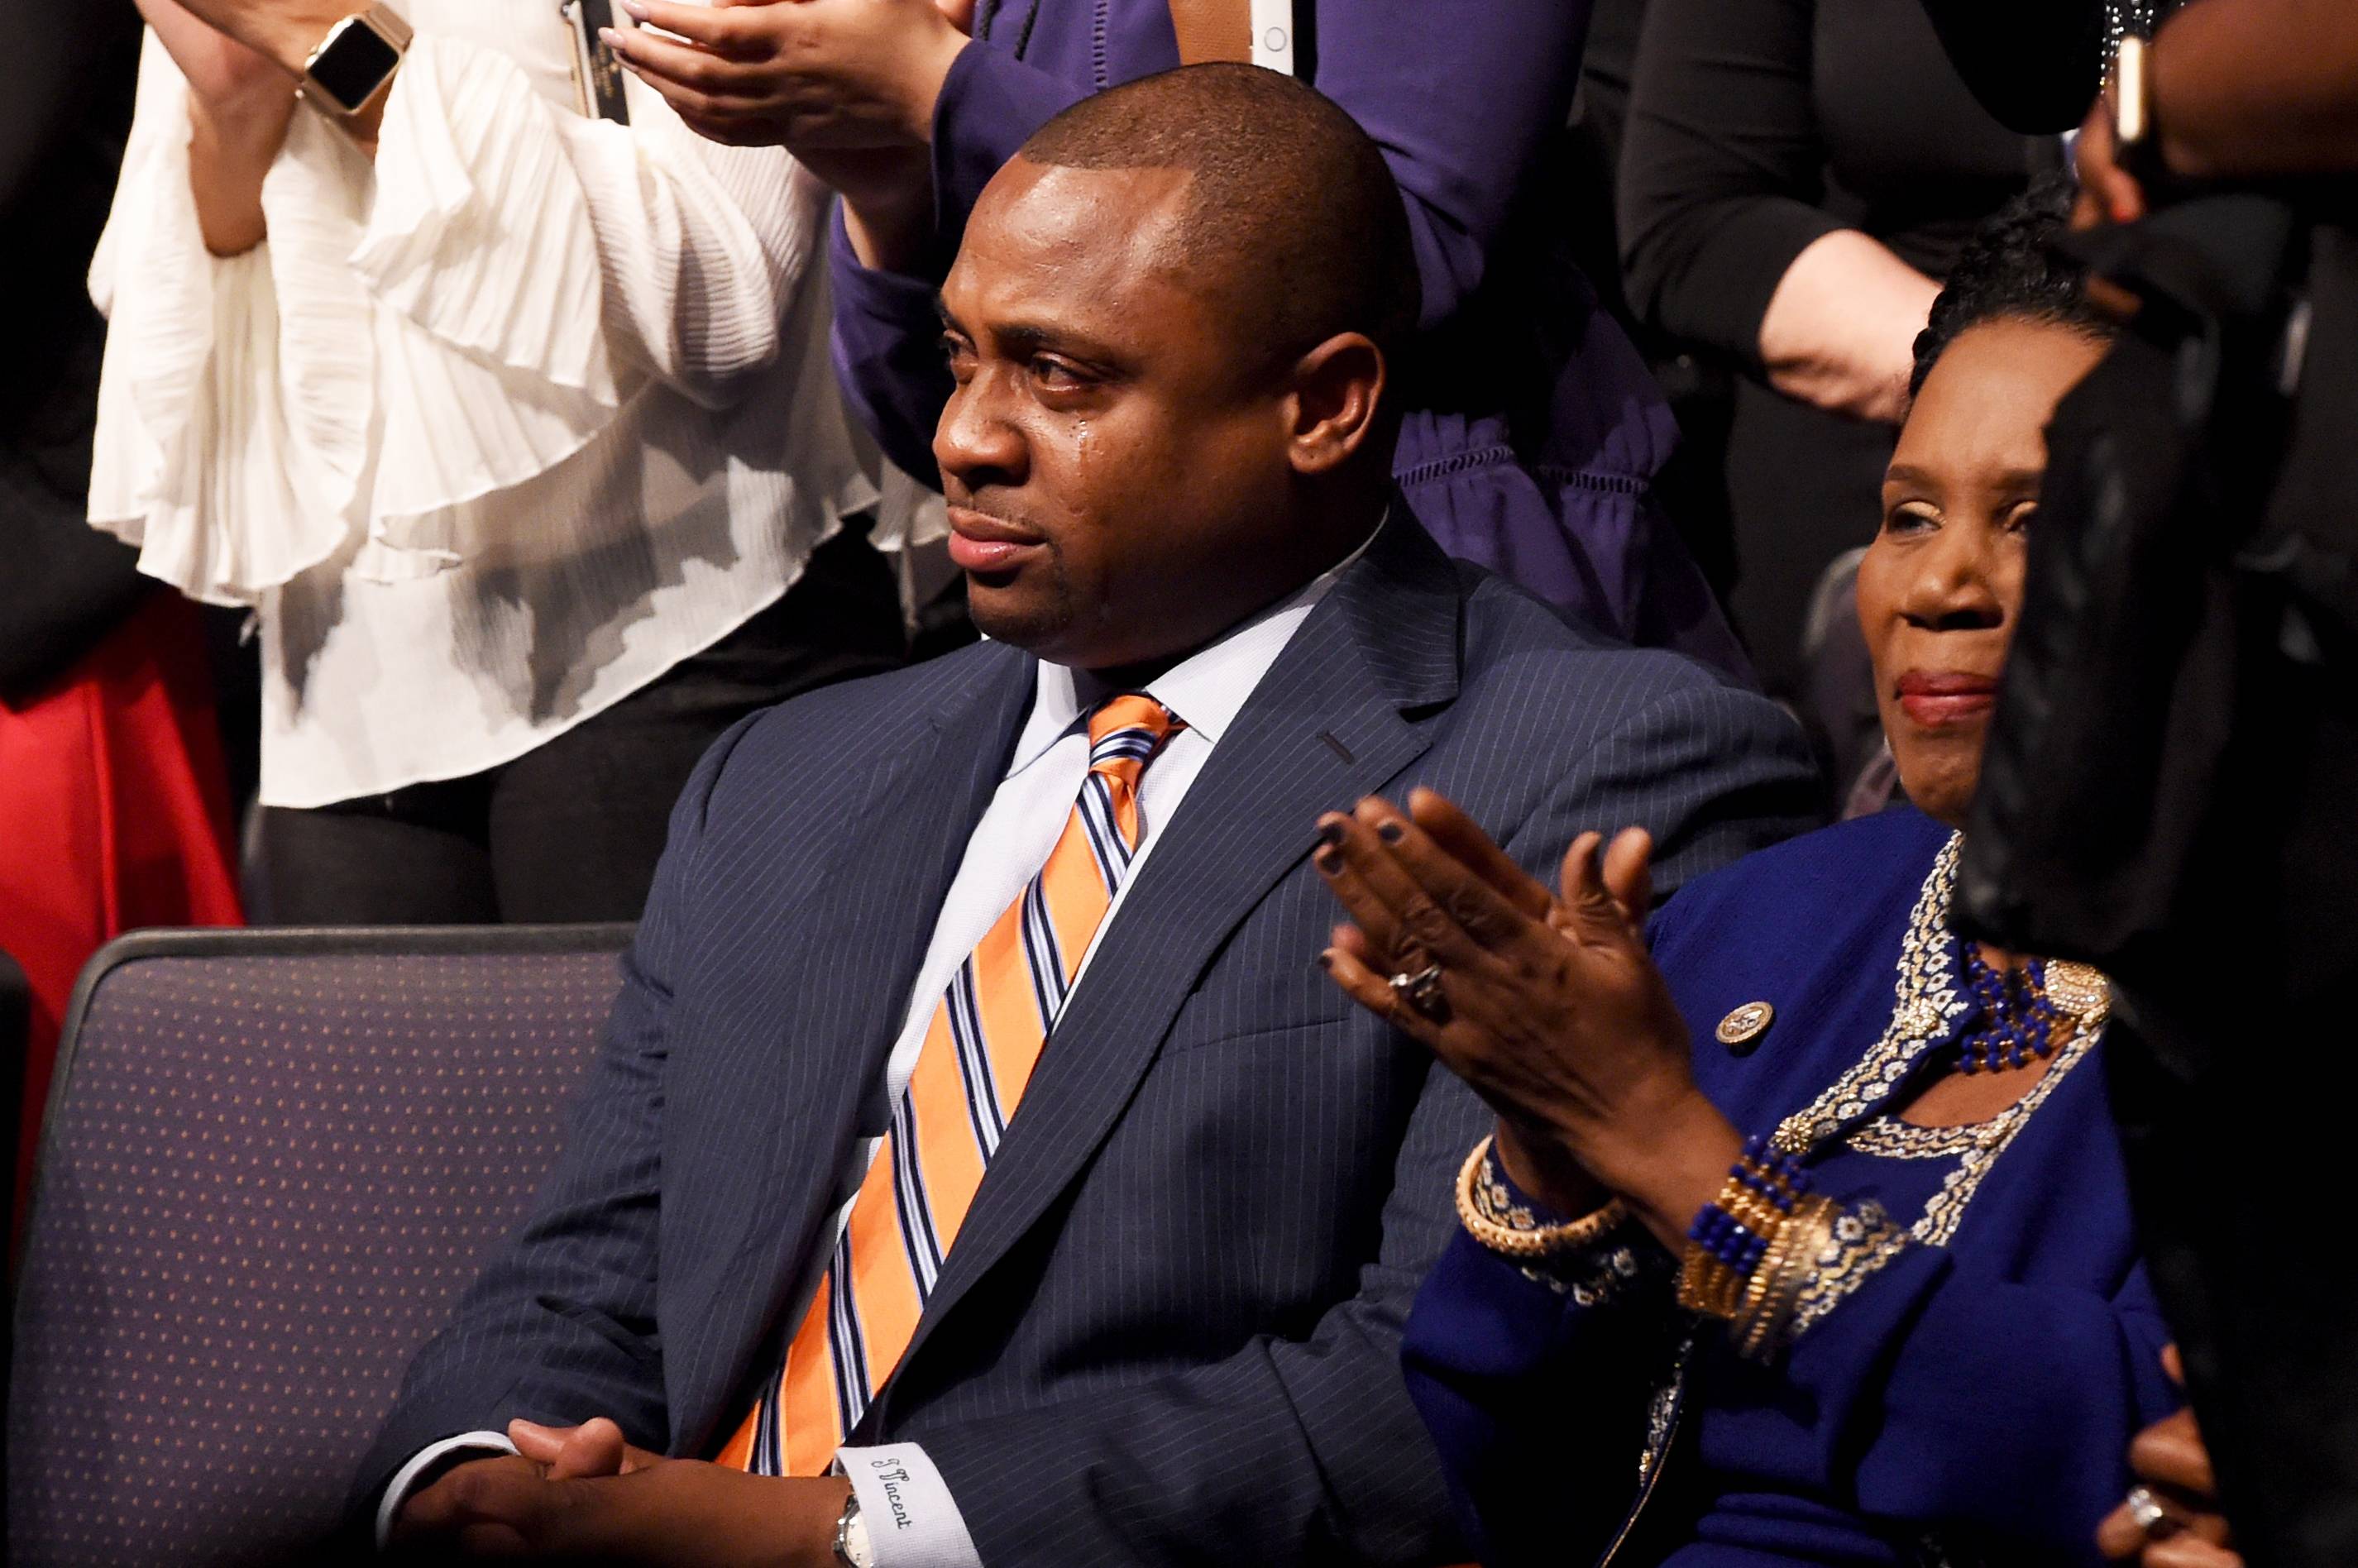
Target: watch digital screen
{"type": "Point", "coordinates": [354, 66]}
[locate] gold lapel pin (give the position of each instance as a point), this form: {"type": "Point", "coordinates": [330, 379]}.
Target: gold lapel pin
{"type": "Point", "coordinates": [1744, 1027]}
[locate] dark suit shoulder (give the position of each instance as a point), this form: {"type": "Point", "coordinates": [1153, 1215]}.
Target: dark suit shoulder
{"type": "Point", "coordinates": [1546, 645]}
{"type": "Point", "coordinates": [854, 724]}
{"type": "Point", "coordinates": [1566, 690]}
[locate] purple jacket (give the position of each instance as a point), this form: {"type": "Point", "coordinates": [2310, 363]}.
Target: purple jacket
{"type": "Point", "coordinates": [1539, 432]}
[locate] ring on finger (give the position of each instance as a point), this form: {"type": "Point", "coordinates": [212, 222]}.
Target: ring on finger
{"type": "Point", "coordinates": [1421, 993]}
{"type": "Point", "coordinates": [2150, 1515]}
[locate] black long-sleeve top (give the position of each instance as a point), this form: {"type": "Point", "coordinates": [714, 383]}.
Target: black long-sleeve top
{"type": "Point", "coordinates": [1756, 128]}
{"type": "Point", "coordinates": [62, 123]}
{"type": "Point", "coordinates": [2033, 64]}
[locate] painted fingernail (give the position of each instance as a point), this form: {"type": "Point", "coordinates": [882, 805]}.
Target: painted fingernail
{"type": "Point", "coordinates": [1391, 832]}
{"type": "Point", "coordinates": [1330, 833]}
{"type": "Point", "coordinates": [1329, 860]}
{"type": "Point", "coordinates": [634, 9]}
{"type": "Point", "coordinates": [1327, 961]}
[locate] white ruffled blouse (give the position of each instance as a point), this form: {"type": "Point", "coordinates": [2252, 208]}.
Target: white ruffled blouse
{"type": "Point", "coordinates": [490, 433]}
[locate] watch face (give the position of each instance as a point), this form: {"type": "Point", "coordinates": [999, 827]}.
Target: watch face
{"type": "Point", "coordinates": [354, 66]}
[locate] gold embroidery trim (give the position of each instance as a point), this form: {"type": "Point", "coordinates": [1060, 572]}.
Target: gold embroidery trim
{"type": "Point", "coordinates": [1925, 1005]}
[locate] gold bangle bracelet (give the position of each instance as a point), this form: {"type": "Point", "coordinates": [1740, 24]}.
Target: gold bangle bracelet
{"type": "Point", "coordinates": [1491, 1217]}
{"type": "Point", "coordinates": [1749, 1313]}
{"type": "Point", "coordinates": [1706, 1285]}
{"type": "Point", "coordinates": [1783, 1274]}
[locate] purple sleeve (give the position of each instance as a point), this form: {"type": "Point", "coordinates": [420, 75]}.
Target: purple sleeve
{"type": "Point", "coordinates": [1932, 1393]}
{"type": "Point", "coordinates": [1460, 141]}
{"type": "Point", "coordinates": [1461, 95]}
{"type": "Point", "coordinates": [888, 356]}
{"type": "Point", "coordinates": [990, 104]}
{"type": "Point", "coordinates": [887, 353]}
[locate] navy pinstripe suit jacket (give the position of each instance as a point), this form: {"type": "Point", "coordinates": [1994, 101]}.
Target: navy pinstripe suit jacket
{"type": "Point", "coordinates": [1169, 1330]}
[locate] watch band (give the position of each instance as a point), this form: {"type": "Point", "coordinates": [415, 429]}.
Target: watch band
{"type": "Point", "coordinates": [354, 64]}
{"type": "Point", "coordinates": [2137, 140]}
{"type": "Point", "coordinates": [852, 1549]}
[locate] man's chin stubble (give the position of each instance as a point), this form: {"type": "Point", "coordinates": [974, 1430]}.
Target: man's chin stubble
{"type": "Point", "coordinates": [1035, 629]}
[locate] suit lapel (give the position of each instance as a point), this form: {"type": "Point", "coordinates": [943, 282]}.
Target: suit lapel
{"type": "Point", "coordinates": [1327, 725]}
{"type": "Point", "coordinates": [876, 905]}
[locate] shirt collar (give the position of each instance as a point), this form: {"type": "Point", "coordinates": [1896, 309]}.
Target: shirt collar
{"type": "Point", "coordinates": [1207, 690]}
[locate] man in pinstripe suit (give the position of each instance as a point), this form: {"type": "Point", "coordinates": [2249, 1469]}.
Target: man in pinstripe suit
{"type": "Point", "coordinates": [975, 1122]}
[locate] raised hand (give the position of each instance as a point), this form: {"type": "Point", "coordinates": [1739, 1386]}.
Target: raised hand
{"type": "Point", "coordinates": [1548, 1006]}
{"type": "Point", "coordinates": [811, 75]}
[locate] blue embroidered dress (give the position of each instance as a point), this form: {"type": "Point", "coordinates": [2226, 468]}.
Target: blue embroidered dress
{"type": "Point", "coordinates": [1973, 1354]}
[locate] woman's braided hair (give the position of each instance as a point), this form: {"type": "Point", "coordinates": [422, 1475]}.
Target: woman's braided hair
{"type": "Point", "coordinates": [2011, 272]}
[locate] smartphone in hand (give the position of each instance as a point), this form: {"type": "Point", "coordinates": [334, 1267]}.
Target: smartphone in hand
{"type": "Point", "coordinates": [597, 79]}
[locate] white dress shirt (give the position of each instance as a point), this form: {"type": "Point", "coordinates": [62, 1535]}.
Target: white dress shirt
{"type": "Point", "coordinates": [911, 1519]}
{"type": "Point", "coordinates": [491, 431]}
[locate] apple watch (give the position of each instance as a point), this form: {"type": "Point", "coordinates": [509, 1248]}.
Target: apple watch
{"type": "Point", "coordinates": [354, 64]}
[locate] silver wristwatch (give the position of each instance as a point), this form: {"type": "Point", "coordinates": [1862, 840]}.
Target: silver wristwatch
{"type": "Point", "coordinates": [851, 1547]}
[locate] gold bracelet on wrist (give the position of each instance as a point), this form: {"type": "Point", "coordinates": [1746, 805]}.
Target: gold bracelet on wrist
{"type": "Point", "coordinates": [1775, 1289]}
{"type": "Point", "coordinates": [1729, 1243]}
{"type": "Point", "coordinates": [1492, 1218]}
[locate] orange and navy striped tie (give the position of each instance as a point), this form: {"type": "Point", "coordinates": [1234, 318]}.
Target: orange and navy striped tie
{"type": "Point", "coordinates": [986, 1036]}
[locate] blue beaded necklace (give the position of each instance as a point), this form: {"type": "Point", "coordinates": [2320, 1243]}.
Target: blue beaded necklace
{"type": "Point", "coordinates": [2013, 1022]}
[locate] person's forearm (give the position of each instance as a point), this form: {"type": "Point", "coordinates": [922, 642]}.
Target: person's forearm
{"type": "Point", "coordinates": [887, 235]}
{"type": "Point", "coordinates": [1676, 1163]}
{"type": "Point", "coordinates": [285, 30]}
{"type": "Point", "coordinates": [2253, 89]}
{"type": "Point", "coordinates": [1840, 331]}
{"type": "Point", "coordinates": [286, 33]}
{"type": "Point", "coordinates": [229, 155]}
{"type": "Point", "coordinates": [888, 202]}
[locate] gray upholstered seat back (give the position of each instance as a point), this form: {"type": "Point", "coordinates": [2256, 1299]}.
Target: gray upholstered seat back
{"type": "Point", "coordinates": [271, 1162]}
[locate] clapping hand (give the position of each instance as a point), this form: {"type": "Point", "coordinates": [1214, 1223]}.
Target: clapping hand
{"type": "Point", "coordinates": [1547, 1004]}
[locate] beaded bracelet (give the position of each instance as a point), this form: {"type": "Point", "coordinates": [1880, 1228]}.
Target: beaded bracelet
{"type": "Point", "coordinates": [1733, 1234]}
{"type": "Point", "coordinates": [1492, 1218]}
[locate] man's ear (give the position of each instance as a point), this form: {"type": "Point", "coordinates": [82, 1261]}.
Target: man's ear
{"type": "Point", "coordinates": [1338, 392]}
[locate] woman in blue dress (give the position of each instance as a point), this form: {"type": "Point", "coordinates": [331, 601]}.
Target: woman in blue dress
{"type": "Point", "coordinates": [1805, 1238]}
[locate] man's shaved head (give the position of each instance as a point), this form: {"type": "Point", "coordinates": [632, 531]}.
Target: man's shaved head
{"type": "Point", "coordinates": [1169, 329]}
{"type": "Point", "coordinates": [1291, 214]}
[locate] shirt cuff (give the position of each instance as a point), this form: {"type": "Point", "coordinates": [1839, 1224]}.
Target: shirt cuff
{"type": "Point", "coordinates": [1543, 1212]}
{"type": "Point", "coordinates": [913, 1521]}
{"type": "Point", "coordinates": [423, 1464]}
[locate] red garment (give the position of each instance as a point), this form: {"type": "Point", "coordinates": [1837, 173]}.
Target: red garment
{"type": "Point", "coordinates": [114, 814]}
